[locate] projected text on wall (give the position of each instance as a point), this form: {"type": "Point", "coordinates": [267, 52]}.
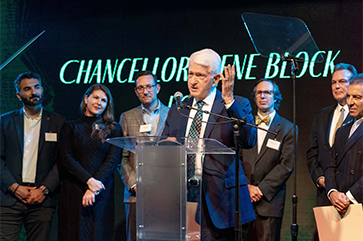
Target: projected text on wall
{"type": "Point", "coordinates": [174, 69]}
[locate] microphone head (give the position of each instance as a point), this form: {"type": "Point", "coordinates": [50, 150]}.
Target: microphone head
{"type": "Point", "coordinates": [178, 94]}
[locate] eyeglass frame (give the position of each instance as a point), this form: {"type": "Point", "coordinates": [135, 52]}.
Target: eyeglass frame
{"type": "Point", "coordinates": [149, 88]}
{"type": "Point", "coordinates": [265, 92]}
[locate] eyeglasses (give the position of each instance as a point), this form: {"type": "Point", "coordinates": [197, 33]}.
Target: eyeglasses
{"type": "Point", "coordinates": [141, 89]}
{"type": "Point", "coordinates": [265, 92]}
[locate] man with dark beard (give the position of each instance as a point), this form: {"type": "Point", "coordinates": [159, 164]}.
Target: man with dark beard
{"type": "Point", "coordinates": [28, 173]}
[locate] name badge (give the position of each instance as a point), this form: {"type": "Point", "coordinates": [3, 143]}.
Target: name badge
{"type": "Point", "coordinates": [51, 137]}
{"type": "Point", "coordinates": [145, 128]}
{"type": "Point", "coordinates": [273, 144]}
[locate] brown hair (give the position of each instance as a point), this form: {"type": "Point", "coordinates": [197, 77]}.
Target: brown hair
{"type": "Point", "coordinates": [103, 126]}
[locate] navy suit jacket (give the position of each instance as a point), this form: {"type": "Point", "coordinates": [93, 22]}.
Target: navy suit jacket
{"type": "Point", "coordinates": [219, 170]}
{"type": "Point", "coordinates": [345, 172]}
{"type": "Point", "coordinates": [270, 169]}
{"type": "Point", "coordinates": [12, 146]}
{"type": "Point", "coordinates": [319, 153]}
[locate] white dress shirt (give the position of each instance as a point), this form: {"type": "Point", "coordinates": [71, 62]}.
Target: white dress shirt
{"type": "Point", "coordinates": [261, 134]}
{"type": "Point", "coordinates": [31, 144]}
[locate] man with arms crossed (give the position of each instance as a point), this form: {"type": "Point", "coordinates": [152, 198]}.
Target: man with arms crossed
{"type": "Point", "coordinates": [218, 185]}
{"type": "Point", "coordinates": [29, 176]}
{"type": "Point", "coordinates": [269, 164]}
{"type": "Point", "coordinates": [147, 119]}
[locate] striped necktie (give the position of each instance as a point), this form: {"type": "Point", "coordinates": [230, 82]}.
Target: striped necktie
{"type": "Point", "coordinates": [194, 132]}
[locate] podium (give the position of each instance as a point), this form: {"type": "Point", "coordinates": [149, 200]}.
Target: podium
{"type": "Point", "coordinates": [164, 178]}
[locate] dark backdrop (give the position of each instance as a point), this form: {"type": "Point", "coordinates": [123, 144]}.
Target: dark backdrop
{"type": "Point", "coordinates": [170, 31]}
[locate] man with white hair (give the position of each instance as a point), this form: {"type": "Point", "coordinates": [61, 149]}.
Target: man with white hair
{"type": "Point", "coordinates": [217, 202]}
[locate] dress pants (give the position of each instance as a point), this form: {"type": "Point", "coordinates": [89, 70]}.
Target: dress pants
{"type": "Point", "coordinates": [209, 232]}
{"type": "Point", "coordinates": [37, 221]}
{"type": "Point", "coordinates": [130, 210]}
{"type": "Point", "coordinates": [263, 229]}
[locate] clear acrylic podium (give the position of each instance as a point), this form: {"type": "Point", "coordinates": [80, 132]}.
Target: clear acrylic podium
{"type": "Point", "coordinates": [163, 182]}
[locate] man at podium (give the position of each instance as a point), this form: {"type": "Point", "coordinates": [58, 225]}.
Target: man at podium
{"type": "Point", "coordinates": [218, 186]}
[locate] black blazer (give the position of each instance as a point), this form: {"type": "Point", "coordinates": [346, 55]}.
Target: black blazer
{"type": "Point", "coordinates": [318, 154]}
{"type": "Point", "coordinates": [345, 172]}
{"type": "Point", "coordinates": [12, 144]}
{"type": "Point", "coordinates": [270, 169]}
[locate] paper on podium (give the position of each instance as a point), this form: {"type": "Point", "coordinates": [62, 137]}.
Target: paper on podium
{"type": "Point", "coordinates": [333, 228]}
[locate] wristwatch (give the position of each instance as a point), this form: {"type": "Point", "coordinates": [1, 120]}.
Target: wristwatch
{"type": "Point", "coordinates": [45, 190]}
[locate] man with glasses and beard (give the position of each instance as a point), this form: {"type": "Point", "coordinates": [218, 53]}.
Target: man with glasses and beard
{"type": "Point", "coordinates": [28, 172]}
{"type": "Point", "coordinates": [147, 119]}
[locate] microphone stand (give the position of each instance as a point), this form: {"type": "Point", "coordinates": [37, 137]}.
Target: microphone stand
{"type": "Point", "coordinates": [236, 129]}
{"type": "Point", "coordinates": [294, 228]}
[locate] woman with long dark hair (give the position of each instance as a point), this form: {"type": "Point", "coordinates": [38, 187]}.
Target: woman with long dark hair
{"type": "Point", "coordinates": [87, 164]}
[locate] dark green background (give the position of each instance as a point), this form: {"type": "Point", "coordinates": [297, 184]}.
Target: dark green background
{"type": "Point", "coordinates": [86, 30]}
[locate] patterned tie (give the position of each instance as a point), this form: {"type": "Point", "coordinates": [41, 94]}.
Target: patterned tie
{"type": "Point", "coordinates": [194, 132]}
{"type": "Point", "coordinates": [339, 123]}
{"type": "Point", "coordinates": [259, 120]}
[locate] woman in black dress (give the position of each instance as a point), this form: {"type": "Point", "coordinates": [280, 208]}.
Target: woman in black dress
{"type": "Point", "coordinates": [86, 204]}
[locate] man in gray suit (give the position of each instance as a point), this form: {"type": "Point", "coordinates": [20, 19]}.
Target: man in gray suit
{"type": "Point", "coordinates": [269, 164]}
{"type": "Point", "coordinates": [147, 119]}
{"type": "Point", "coordinates": [344, 175]}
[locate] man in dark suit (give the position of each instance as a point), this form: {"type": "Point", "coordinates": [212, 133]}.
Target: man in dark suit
{"type": "Point", "coordinates": [344, 175]}
{"type": "Point", "coordinates": [323, 129]}
{"type": "Point", "coordinates": [218, 186]}
{"type": "Point", "coordinates": [269, 164]}
{"type": "Point", "coordinates": [29, 176]}
{"type": "Point", "coordinates": [147, 119]}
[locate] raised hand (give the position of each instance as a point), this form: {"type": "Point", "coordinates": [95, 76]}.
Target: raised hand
{"type": "Point", "coordinates": [228, 83]}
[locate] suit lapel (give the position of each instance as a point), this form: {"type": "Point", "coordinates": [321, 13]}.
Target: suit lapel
{"type": "Point", "coordinates": [328, 121]}
{"type": "Point", "coordinates": [353, 139]}
{"type": "Point", "coordinates": [140, 120]}
{"type": "Point", "coordinates": [275, 127]}
{"type": "Point", "coordinates": [163, 114]}
{"type": "Point", "coordinates": [44, 127]}
{"type": "Point", "coordinates": [217, 108]}
{"type": "Point", "coordinates": [183, 120]}
{"type": "Point", "coordinates": [19, 126]}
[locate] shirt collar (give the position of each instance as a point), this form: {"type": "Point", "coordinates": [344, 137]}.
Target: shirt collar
{"type": "Point", "coordinates": [345, 107]}
{"type": "Point", "coordinates": [271, 115]}
{"type": "Point", "coordinates": [36, 118]}
{"type": "Point", "coordinates": [208, 101]}
{"type": "Point", "coordinates": [156, 110]}
{"type": "Point", "coordinates": [358, 121]}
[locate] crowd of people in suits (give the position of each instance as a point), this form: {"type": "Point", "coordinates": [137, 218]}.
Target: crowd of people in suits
{"type": "Point", "coordinates": [48, 162]}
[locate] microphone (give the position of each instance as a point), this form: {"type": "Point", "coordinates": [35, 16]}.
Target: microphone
{"type": "Point", "coordinates": [178, 98]}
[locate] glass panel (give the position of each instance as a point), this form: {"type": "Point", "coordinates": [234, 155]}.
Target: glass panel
{"type": "Point", "coordinates": [169, 184]}
{"type": "Point", "coordinates": [161, 202]}
{"type": "Point", "coordinates": [278, 34]}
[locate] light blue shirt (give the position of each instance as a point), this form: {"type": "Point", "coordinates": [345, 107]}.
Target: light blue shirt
{"type": "Point", "coordinates": [151, 118]}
